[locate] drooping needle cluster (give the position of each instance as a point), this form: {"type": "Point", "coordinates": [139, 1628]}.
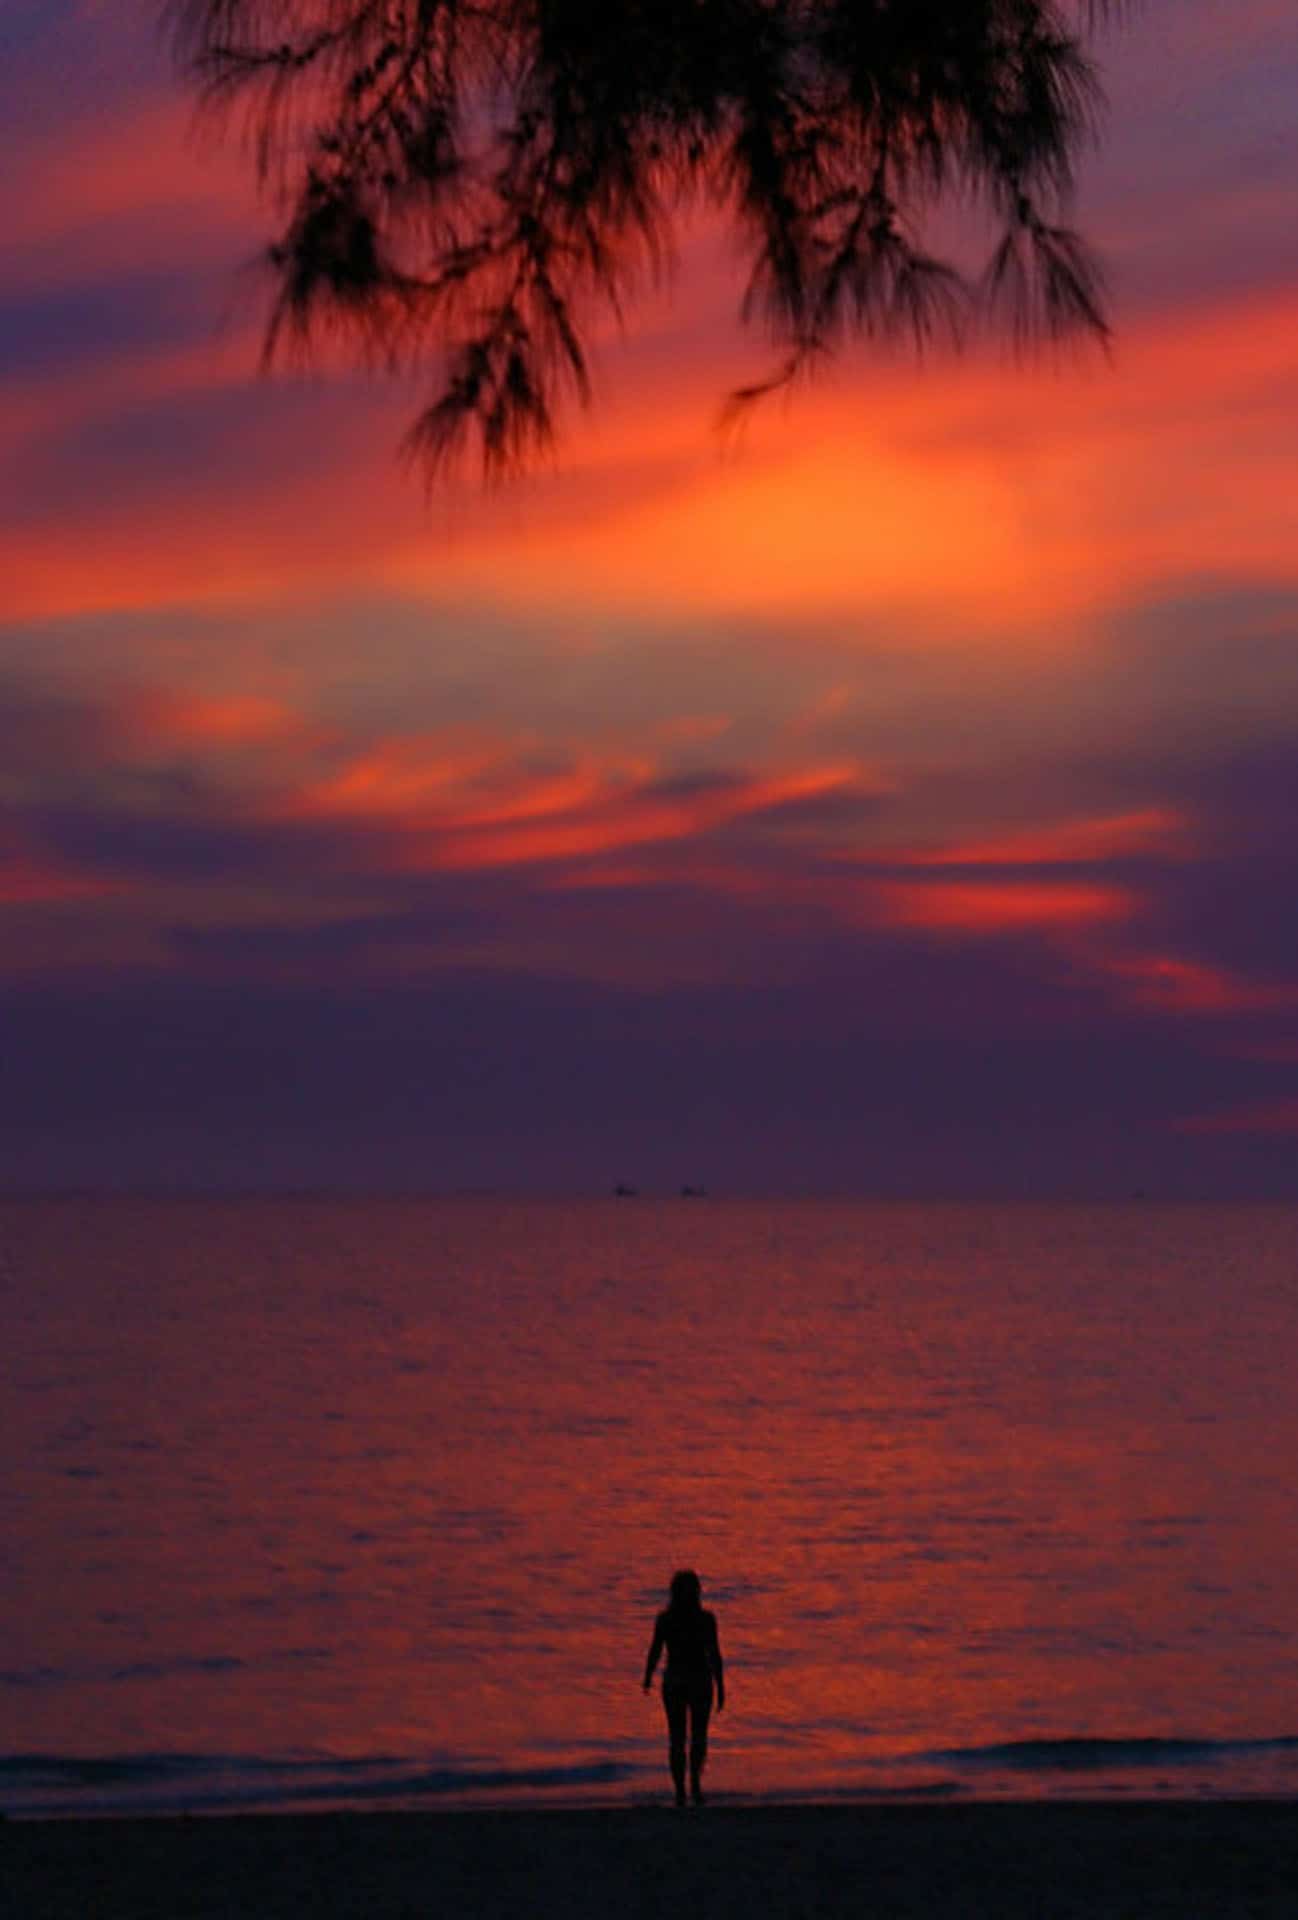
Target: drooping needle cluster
{"type": "Point", "coordinates": [468, 183]}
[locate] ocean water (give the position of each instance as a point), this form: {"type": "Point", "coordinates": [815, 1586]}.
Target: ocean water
{"type": "Point", "coordinates": [373, 1502]}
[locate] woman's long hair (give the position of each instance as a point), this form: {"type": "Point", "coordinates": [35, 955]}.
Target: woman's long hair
{"type": "Point", "coordinates": [686, 1591]}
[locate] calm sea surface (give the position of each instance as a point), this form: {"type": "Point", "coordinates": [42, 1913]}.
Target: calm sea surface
{"type": "Point", "coordinates": [319, 1501]}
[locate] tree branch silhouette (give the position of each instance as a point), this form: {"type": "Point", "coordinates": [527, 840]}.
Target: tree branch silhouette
{"type": "Point", "coordinates": [469, 185]}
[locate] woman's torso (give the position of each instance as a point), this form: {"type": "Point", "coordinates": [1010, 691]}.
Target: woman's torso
{"type": "Point", "coordinates": [689, 1639]}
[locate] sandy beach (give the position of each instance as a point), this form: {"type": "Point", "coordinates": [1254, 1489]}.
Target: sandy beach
{"type": "Point", "coordinates": [1138, 1860]}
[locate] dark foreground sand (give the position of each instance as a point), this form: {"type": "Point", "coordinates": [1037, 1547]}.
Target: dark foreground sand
{"type": "Point", "coordinates": [1195, 1861]}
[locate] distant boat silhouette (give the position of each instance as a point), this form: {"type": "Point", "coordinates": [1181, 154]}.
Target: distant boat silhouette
{"type": "Point", "coordinates": [694, 1193]}
{"type": "Point", "coordinates": [622, 1192]}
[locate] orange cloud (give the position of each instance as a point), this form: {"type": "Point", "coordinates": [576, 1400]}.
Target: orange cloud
{"type": "Point", "coordinates": [999, 500]}
{"type": "Point", "coordinates": [995, 502]}
{"type": "Point", "coordinates": [1166, 983]}
{"type": "Point", "coordinates": [1013, 907]}
{"type": "Point", "coordinates": [1060, 843]}
{"type": "Point", "coordinates": [421, 784]}
{"type": "Point", "coordinates": [231, 720]}
{"type": "Point", "coordinates": [443, 805]}
{"type": "Point", "coordinates": [449, 807]}
{"type": "Point", "coordinates": [638, 816]}
{"type": "Point", "coordinates": [974, 906]}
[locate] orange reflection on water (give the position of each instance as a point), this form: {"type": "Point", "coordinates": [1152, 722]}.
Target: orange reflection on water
{"type": "Point", "coordinates": [382, 1479]}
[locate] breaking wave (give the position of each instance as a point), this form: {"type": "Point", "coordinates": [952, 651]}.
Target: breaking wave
{"type": "Point", "coordinates": [32, 1783]}
{"type": "Point", "coordinates": [1087, 1754]}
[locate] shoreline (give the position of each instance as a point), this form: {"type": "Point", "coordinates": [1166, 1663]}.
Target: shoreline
{"type": "Point", "coordinates": [1007, 1859]}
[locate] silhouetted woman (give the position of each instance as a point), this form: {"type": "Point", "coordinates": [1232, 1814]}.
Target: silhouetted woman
{"type": "Point", "coordinates": [689, 1633]}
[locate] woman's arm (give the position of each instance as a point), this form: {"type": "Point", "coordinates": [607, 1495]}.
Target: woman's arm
{"type": "Point", "coordinates": [655, 1648]}
{"type": "Point", "coordinates": [715, 1661]}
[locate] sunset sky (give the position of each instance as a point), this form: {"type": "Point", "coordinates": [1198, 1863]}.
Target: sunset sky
{"type": "Point", "coordinates": [902, 800]}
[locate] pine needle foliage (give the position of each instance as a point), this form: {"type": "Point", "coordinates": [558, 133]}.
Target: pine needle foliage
{"type": "Point", "coordinates": [470, 186]}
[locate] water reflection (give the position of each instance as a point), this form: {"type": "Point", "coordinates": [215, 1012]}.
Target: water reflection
{"type": "Point", "coordinates": [402, 1480]}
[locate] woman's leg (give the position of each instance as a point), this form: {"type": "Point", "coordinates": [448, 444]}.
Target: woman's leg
{"type": "Point", "coordinates": [700, 1713]}
{"type": "Point", "coordinates": [676, 1702]}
